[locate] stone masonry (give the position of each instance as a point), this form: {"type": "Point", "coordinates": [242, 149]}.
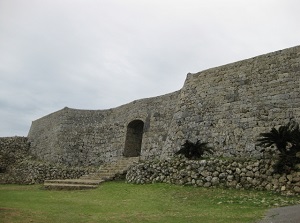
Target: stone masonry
{"type": "Point", "coordinates": [231, 173]}
{"type": "Point", "coordinates": [83, 138]}
{"type": "Point", "coordinates": [227, 106]}
{"type": "Point", "coordinates": [18, 166]}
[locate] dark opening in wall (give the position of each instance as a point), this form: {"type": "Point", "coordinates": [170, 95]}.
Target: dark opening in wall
{"type": "Point", "coordinates": [134, 138]}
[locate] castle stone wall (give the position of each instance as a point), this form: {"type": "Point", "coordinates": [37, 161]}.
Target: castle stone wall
{"type": "Point", "coordinates": [12, 150]}
{"type": "Point", "coordinates": [228, 106]}
{"type": "Point", "coordinates": [17, 165]}
{"type": "Point", "coordinates": [92, 137]}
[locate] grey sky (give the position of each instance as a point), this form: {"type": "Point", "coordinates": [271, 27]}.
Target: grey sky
{"type": "Point", "coordinates": [98, 54]}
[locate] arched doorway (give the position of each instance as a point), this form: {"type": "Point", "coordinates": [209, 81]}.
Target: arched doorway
{"type": "Point", "coordinates": [134, 138]}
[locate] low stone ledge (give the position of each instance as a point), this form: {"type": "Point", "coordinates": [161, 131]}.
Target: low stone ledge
{"type": "Point", "coordinates": [35, 172]}
{"type": "Point", "coordinates": [255, 174]}
{"type": "Point", "coordinates": [17, 166]}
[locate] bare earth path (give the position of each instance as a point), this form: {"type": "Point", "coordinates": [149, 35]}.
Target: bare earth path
{"type": "Point", "coordinates": [289, 214]}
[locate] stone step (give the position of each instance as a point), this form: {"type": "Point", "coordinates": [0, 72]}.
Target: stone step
{"type": "Point", "coordinates": [68, 186]}
{"type": "Point", "coordinates": [108, 172]}
{"type": "Point", "coordinates": [117, 165]}
{"type": "Point", "coordinates": [92, 180]}
{"type": "Point", "coordinates": [97, 177]}
{"type": "Point", "coordinates": [72, 184]}
{"type": "Point", "coordinates": [104, 178]}
{"type": "Point", "coordinates": [75, 181]}
{"type": "Point", "coordinates": [112, 170]}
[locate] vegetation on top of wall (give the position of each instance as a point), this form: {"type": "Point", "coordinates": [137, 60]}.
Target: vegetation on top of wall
{"type": "Point", "coordinates": [194, 150]}
{"type": "Point", "coordinates": [287, 142]}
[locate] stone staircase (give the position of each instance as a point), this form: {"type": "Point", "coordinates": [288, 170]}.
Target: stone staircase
{"type": "Point", "coordinates": [107, 172]}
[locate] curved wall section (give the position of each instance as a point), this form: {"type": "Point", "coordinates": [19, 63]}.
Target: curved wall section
{"type": "Point", "coordinates": [92, 137]}
{"type": "Point", "coordinates": [227, 106]}
{"type": "Point", "coordinates": [43, 135]}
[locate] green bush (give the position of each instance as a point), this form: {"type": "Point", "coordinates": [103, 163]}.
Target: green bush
{"type": "Point", "coordinates": [287, 142]}
{"type": "Point", "coordinates": [194, 150]}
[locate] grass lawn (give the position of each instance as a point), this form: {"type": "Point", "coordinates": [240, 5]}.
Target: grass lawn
{"type": "Point", "coordinates": [121, 202]}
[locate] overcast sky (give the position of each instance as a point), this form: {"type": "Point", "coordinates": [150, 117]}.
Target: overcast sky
{"type": "Point", "coordinates": [99, 54]}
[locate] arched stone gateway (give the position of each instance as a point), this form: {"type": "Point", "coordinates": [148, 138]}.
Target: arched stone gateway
{"type": "Point", "coordinates": [134, 138]}
{"type": "Point", "coordinates": [227, 106]}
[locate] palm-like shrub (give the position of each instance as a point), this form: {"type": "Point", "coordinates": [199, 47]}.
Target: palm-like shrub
{"type": "Point", "coordinates": [287, 141]}
{"type": "Point", "coordinates": [194, 150]}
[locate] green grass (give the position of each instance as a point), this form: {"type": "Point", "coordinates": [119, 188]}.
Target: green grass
{"type": "Point", "coordinates": [121, 202]}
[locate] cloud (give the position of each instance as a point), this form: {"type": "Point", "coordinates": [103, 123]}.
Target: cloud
{"type": "Point", "coordinates": [98, 54]}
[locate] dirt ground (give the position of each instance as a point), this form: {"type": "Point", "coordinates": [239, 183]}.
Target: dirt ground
{"type": "Point", "coordinates": [289, 214]}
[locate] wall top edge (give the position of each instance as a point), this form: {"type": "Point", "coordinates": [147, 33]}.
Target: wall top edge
{"type": "Point", "coordinates": [232, 64]}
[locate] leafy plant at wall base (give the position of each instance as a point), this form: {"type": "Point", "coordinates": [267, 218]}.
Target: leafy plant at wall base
{"type": "Point", "coordinates": [287, 141]}
{"type": "Point", "coordinates": [194, 150]}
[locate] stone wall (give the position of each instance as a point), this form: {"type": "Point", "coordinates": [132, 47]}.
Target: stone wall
{"type": "Point", "coordinates": [91, 137]}
{"type": "Point", "coordinates": [36, 172]}
{"type": "Point", "coordinates": [227, 106]}
{"type": "Point", "coordinates": [18, 166]}
{"type": "Point", "coordinates": [12, 151]}
{"type": "Point", "coordinates": [233, 173]}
